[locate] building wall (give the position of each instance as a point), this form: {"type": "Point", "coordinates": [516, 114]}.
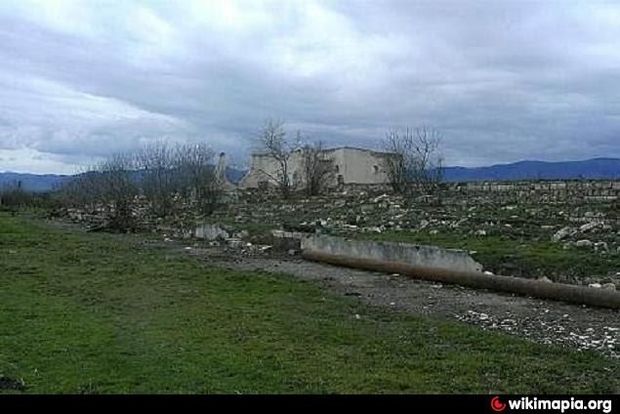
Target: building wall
{"type": "Point", "coordinates": [261, 168]}
{"type": "Point", "coordinates": [355, 166]}
{"type": "Point", "coordinates": [362, 167]}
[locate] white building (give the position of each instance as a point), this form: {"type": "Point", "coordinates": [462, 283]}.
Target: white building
{"type": "Point", "coordinates": [351, 166]}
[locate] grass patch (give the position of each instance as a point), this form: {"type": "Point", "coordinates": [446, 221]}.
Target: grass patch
{"type": "Point", "coordinates": [101, 313]}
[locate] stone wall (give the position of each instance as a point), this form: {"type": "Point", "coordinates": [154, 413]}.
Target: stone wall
{"type": "Point", "coordinates": [541, 190]}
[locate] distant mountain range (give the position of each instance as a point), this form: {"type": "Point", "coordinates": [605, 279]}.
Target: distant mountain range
{"type": "Point", "coordinates": [49, 182]}
{"type": "Point", "coordinates": [33, 182]}
{"type": "Point", "coordinates": [597, 168]}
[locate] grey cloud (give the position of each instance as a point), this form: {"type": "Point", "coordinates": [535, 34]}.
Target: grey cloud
{"type": "Point", "coordinates": [503, 81]}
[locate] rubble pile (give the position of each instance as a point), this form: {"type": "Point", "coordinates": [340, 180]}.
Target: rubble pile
{"type": "Point", "coordinates": [542, 329]}
{"type": "Point", "coordinates": [524, 213]}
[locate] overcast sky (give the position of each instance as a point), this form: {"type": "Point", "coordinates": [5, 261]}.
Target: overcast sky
{"type": "Point", "coordinates": [502, 81]}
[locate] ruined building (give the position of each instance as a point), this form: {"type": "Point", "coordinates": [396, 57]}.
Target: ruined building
{"type": "Point", "coordinates": [351, 166]}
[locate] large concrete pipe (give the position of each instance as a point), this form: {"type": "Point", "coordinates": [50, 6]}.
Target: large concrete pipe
{"type": "Point", "coordinates": [475, 279]}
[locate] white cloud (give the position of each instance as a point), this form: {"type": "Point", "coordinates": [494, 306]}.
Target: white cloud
{"type": "Point", "coordinates": [27, 160]}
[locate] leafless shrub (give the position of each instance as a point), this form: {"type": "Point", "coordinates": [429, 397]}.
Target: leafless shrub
{"type": "Point", "coordinates": [416, 166]}
{"type": "Point", "coordinates": [197, 177]}
{"type": "Point", "coordinates": [82, 190]}
{"type": "Point", "coordinates": [156, 163]}
{"type": "Point", "coordinates": [318, 168]}
{"type": "Point", "coordinates": [116, 188]}
{"type": "Point", "coordinates": [273, 140]}
{"type": "Point", "coordinates": [13, 197]}
{"type": "Point", "coordinates": [177, 182]}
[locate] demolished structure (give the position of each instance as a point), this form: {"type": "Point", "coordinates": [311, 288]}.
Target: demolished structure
{"type": "Point", "coordinates": [351, 166]}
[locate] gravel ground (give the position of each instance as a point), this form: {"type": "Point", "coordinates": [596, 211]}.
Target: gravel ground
{"type": "Point", "coordinates": [547, 322]}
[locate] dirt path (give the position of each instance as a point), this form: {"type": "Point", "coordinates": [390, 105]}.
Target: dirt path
{"type": "Point", "coordinates": [538, 320]}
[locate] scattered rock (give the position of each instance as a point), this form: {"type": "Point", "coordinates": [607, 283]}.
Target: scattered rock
{"type": "Point", "coordinates": [601, 246]}
{"type": "Point", "coordinates": [243, 234]}
{"type": "Point", "coordinates": [590, 226]}
{"type": "Point", "coordinates": [562, 233]}
{"type": "Point", "coordinates": [235, 243]}
{"type": "Point", "coordinates": [583, 243]}
{"type": "Point", "coordinates": [210, 232]}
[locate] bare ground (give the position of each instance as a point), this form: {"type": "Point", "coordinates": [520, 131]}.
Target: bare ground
{"type": "Point", "coordinates": [543, 321]}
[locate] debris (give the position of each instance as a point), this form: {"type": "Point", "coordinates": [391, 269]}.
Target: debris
{"type": "Point", "coordinates": [590, 226]}
{"type": "Point", "coordinates": [562, 233]}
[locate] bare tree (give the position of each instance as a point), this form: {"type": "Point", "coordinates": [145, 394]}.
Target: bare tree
{"type": "Point", "coordinates": [416, 163]}
{"type": "Point", "coordinates": [273, 140]}
{"type": "Point", "coordinates": [178, 182]}
{"type": "Point", "coordinates": [318, 168]}
{"type": "Point", "coordinates": [115, 182]}
{"type": "Point", "coordinates": [12, 196]}
{"type": "Point", "coordinates": [156, 163]}
{"type": "Point", "coordinates": [82, 190]}
{"type": "Point", "coordinates": [197, 176]}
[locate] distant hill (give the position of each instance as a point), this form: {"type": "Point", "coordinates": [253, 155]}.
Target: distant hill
{"type": "Point", "coordinates": [597, 168]}
{"type": "Point", "coordinates": [49, 182]}
{"type": "Point", "coordinates": [33, 182]}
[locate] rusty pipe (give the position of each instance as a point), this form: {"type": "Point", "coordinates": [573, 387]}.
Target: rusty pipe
{"type": "Point", "coordinates": [528, 287]}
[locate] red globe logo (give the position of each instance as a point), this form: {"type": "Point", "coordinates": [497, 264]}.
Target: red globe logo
{"type": "Point", "coordinates": [497, 405]}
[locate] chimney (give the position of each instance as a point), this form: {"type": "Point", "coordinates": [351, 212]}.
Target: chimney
{"type": "Point", "coordinates": [220, 169]}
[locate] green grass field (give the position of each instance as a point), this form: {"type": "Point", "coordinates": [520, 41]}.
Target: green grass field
{"type": "Point", "coordinates": [100, 313]}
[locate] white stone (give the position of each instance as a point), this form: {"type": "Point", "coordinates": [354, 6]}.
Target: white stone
{"type": "Point", "coordinates": [562, 233]}
{"type": "Point", "coordinates": [210, 232]}
{"type": "Point", "coordinates": [589, 226]}
{"type": "Point", "coordinates": [601, 246]}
